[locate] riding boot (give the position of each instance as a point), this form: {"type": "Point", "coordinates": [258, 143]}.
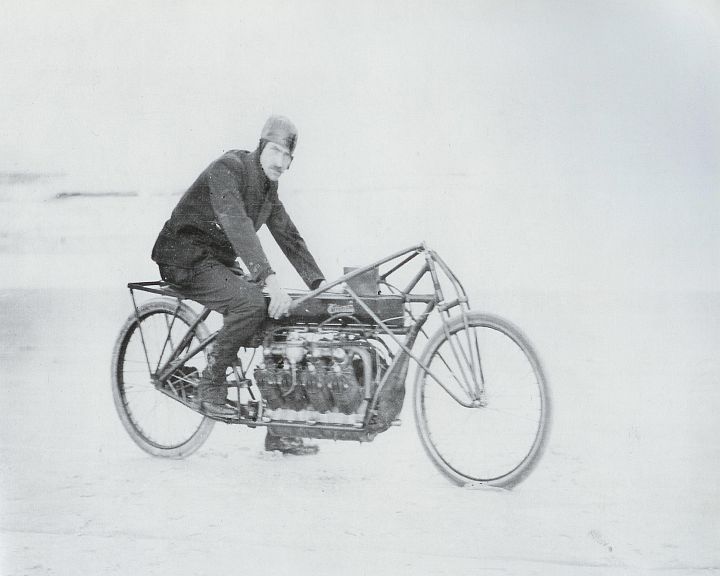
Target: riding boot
{"type": "Point", "coordinates": [213, 389]}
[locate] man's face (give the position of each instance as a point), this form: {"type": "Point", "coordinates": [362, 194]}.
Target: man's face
{"type": "Point", "coordinates": [275, 159]}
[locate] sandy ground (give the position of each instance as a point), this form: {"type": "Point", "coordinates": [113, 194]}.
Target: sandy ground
{"type": "Point", "coordinates": [629, 484]}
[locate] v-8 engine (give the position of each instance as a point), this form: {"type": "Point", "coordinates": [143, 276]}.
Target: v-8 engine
{"type": "Point", "coordinates": [317, 377]}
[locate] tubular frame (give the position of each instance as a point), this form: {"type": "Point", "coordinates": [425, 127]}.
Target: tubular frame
{"type": "Point", "coordinates": [466, 355]}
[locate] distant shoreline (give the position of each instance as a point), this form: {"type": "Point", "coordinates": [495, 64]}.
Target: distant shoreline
{"type": "Point", "coordinates": [110, 194]}
{"type": "Point", "coordinates": [27, 177]}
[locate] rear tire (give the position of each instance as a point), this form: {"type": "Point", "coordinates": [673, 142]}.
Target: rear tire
{"type": "Point", "coordinates": [157, 423]}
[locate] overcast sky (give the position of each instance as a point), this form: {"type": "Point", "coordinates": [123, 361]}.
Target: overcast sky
{"type": "Point", "coordinates": [600, 117]}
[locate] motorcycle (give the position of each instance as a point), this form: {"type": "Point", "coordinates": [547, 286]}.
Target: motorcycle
{"type": "Point", "coordinates": [336, 368]}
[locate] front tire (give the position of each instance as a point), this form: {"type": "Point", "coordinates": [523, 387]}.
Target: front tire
{"type": "Point", "coordinates": [157, 423]}
{"type": "Point", "coordinates": [498, 441]}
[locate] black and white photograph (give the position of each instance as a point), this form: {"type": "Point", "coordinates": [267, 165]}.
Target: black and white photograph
{"type": "Point", "coordinates": [362, 288]}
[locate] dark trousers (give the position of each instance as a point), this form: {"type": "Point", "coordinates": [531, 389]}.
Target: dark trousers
{"type": "Point", "coordinates": [224, 290]}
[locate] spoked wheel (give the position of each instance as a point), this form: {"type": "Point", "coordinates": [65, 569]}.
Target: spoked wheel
{"type": "Point", "coordinates": [158, 423]}
{"type": "Point", "coordinates": [486, 418]}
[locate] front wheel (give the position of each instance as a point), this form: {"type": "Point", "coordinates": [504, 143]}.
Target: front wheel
{"type": "Point", "coordinates": [157, 422]}
{"type": "Point", "coordinates": [483, 410]}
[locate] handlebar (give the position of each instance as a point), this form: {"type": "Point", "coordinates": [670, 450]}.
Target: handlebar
{"type": "Point", "coordinates": [350, 275]}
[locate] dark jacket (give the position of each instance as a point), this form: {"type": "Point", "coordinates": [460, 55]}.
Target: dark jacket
{"type": "Point", "coordinates": [219, 215]}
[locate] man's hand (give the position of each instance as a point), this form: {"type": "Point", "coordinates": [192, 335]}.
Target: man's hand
{"type": "Point", "coordinates": [279, 299]}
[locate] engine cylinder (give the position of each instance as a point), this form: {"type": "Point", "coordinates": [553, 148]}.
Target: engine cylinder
{"type": "Point", "coordinates": [265, 378]}
{"type": "Point", "coordinates": [313, 381]}
{"type": "Point", "coordinates": [304, 373]}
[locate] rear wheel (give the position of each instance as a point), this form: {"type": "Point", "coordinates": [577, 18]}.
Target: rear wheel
{"type": "Point", "coordinates": [156, 421]}
{"type": "Point", "coordinates": [489, 429]}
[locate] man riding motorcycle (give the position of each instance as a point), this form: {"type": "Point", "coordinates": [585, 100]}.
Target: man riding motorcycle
{"type": "Point", "coordinates": [215, 223]}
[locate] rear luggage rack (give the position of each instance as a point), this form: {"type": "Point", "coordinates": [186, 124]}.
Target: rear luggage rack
{"type": "Point", "coordinates": [156, 287]}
